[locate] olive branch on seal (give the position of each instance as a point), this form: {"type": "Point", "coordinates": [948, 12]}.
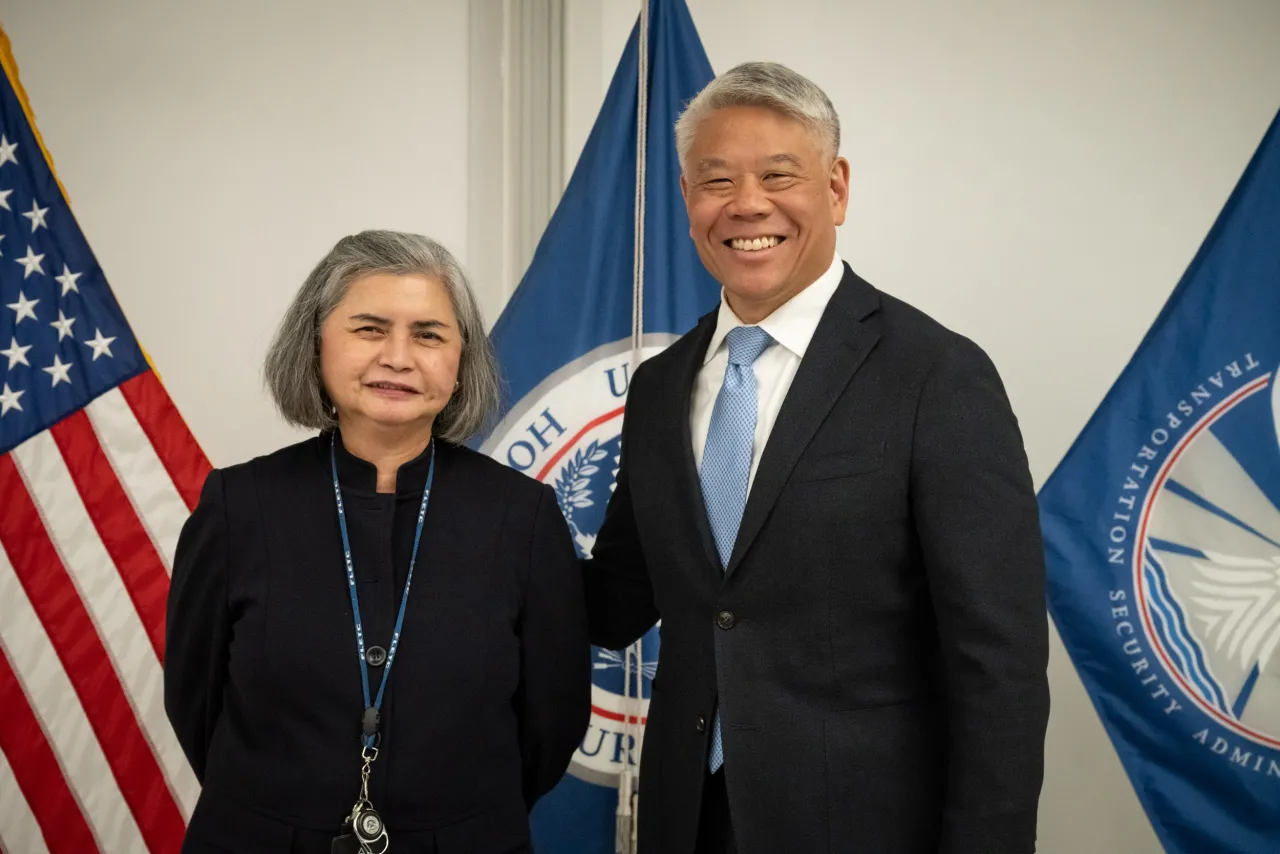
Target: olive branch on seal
{"type": "Point", "coordinates": [573, 490]}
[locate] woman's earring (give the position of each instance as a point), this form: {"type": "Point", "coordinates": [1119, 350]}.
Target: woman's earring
{"type": "Point", "coordinates": [457, 385]}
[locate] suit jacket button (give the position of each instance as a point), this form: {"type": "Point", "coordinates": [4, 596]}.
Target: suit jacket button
{"type": "Point", "coordinates": [702, 724]}
{"type": "Point", "coordinates": [376, 656]}
{"type": "Point", "coordinates": [725, 619]}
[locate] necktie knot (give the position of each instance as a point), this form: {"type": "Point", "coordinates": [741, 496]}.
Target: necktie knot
{"type": "Point", "coordinates": [746, 343]}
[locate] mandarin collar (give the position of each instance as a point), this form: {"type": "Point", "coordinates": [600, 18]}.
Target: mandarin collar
{"type": "Point", "coordinates": [360, 475]}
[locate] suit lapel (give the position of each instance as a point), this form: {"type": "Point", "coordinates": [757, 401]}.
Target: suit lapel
{"type": "Point", "coordinates": [839, 346]}
{"type": "Point", "coordinates": [686, 366]}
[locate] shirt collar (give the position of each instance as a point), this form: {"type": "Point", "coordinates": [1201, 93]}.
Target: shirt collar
{"type": "Point", "coordinates": [791, 324]}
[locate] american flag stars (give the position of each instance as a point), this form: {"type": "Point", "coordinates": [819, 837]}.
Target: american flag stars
{"type": "Point", "coordinates": [24, 307]}
{"type": "Point", "coordinates": [68, 281]}
{"type": "Point", "coordinates": [100, 345]}
{"type": "Point", "coordinates": [15, 354]}
{"type": "Point", "coordinates": [63, 325]}
{"type": "Point", "coordinates": [9, 400]}
{"type": "Point", "coordinates": [34, 350]}
{"type": "Point", "coordinates": [31, 262]}
{"type": "Point", "coordinates": [36, 215]}
{"type": "Point", "coordinates": [58, 370]}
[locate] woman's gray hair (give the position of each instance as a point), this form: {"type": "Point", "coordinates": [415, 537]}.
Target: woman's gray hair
{"type": "Point", "coordinates": [762, 84]}
{"type": "Point", "coordinates": [292, 367]}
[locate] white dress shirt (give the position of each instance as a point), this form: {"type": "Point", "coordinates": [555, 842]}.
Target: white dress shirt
{"type": "Point", "coordinates": [791, 326]}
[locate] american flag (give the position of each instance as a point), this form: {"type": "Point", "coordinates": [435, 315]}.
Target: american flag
{"type": "Point", "coordinates": [98, 472]}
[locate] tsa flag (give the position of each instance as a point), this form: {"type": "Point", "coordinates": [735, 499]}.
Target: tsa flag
{"type": "Point", "coordinates": [565, 345]}
{"type": "Point", "coordinates": [1162, 531]}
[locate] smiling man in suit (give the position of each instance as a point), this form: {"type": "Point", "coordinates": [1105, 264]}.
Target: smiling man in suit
{"type": "Point", "coordinates": [824, 496]}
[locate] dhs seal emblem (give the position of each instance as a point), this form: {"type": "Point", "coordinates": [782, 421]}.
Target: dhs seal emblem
{"type": "Point", "coordinates": [567, 433]}
{"type": "Point", "coordinates": [1196, 522]}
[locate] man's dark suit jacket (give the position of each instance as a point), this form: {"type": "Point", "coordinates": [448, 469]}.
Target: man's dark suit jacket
{"type": "Point", "coordinates": [877, 646]}
{"type": "Point", "coordinates": [490, 689]}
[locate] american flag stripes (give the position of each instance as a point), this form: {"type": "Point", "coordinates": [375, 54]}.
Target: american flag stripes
{"type": "Point", "coordinates": [98, 472]}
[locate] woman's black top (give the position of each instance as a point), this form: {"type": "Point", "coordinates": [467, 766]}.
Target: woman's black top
{"type": "Point", "coordinates": [489, 693]}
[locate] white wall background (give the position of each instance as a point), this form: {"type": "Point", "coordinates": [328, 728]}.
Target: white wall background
{"type": "Point", "coordinates": [213, 152]}
{"type": "Point", "coordinates": [1035, 175]}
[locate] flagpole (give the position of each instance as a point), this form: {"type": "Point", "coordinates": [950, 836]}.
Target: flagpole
{"type": "Point", "coordinates": [633, 661]}
{"type": "Point", "coordinates": [642, 137]}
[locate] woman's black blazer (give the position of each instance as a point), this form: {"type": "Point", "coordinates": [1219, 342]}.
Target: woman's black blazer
{"type": "Point", "coordinates": [489, 694]}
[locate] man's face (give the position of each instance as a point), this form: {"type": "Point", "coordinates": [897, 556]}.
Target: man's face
{"type": "Point", "coordinates": [764, 199]}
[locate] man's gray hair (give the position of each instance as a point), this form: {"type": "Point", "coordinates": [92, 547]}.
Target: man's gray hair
{"type": "Point", "coordinates": [762, 84]}
{"type": "Point", "coordinates": [292, 368]}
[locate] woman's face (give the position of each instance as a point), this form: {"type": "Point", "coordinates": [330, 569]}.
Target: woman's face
{"type": "Point", "coordinates": [389, 351]}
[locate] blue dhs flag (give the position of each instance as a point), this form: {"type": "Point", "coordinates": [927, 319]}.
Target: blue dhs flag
{"type": "Point", "coordinates": [566, 342]}
{"type": "Point", "coordinates": [1162, 532]}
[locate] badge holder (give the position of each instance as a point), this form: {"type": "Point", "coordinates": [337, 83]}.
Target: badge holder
{"type": "Point", "coordinates": [363, 831]}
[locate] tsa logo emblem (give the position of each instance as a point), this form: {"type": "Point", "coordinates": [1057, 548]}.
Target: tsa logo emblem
{"type": "Point", "coordinates": [1196, 527]}
{"type": "Point", "coordinates": [567, 433]}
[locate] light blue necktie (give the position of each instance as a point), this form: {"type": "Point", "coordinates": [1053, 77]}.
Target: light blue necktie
{"type": "Point", "coordinates": [726, 460]}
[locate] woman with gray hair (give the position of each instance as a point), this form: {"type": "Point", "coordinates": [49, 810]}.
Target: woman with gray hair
{"type": "Point", "coordinates": [290, 600]}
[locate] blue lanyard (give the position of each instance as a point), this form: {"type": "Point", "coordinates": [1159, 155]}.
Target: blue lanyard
{"type": "Point", "coordinates": [372, 708]}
